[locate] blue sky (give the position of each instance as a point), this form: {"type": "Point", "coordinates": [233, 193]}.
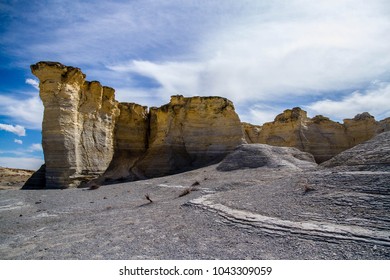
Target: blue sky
{"type": "Point", "coordinates": [328, 57]}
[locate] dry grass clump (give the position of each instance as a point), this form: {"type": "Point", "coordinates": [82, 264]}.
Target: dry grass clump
{"type": "Point", "coordinates": [306, 186]}
{"type": "Point", "coordinates": [147, 196]}
{"type": "Point", "coordinates": [185, 192]}
{"type": "Point", "coordinates": [94, 187]}
{"type": "Point", "coordinates": [190, 189]}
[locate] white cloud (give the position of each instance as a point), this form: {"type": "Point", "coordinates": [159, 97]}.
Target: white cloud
{"type": "Point", "coordinates": [35, 147]}
{"type": "Point", "coordinates": [33, 83]}
{"type": "Point", "coordinates": [21, 162]}
{"type": "Point", "coordinates": [18, 141]}
{"type": "Point", "coordinates": [28, 112]}
{"type": "Point", "coordinates": [292, 50]}
{"type": "Point", "coordinates": [374, 100]}
{"type": "Point", "coordinates": [251, 52]}
{"type": "Point", "coordinates": [16, 129]}
{"type": "Point", "coordinates": [259, 114]}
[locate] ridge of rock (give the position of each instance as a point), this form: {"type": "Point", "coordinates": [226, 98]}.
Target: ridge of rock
{"type": "Point", "coordinates": [372, 155]}
{"type": "Point", "coordinates": [87, 135]}
{"type": "Point", "coordinates": [262, 155]}
{"type": "Point", "coordinates": [319, 135]}
{"type": "Point", "coordinates": [90, 138]}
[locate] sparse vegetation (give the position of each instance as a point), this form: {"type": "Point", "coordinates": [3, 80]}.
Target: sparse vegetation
{"type": "Point", "coordinates": [307, 188]}
{"type": "Point", "coordinates": [190, 189]}
{"type": "Point", "coordinates": [185, 192]}
{"type": "Point", "coordinates": [94, 187]}
{"type": "Point", "coordinates": [147, 196]}
{"type": "Point", "coordinates": [195, 184]}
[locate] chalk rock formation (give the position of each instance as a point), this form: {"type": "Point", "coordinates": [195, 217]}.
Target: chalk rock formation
{"type": "Point", "coordinates": [262, 155]}
{"type": "Point", "coordinates": [319, 136]}
{"type": "Point", "coordinates": [373, 154]}
{"type": "Point", "coordinates": [183, 134]}
{"type": "Point", "coordinates": [190, 132]}
{"type": "Point", "coordinates": [88, 135]}
{"type": "Point", "coordinates": [131, 142]}
{"type": "Point", "coordinates": [78, 124]}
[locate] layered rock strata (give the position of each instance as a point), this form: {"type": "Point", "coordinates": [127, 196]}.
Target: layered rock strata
{"type": "Point", "coordinates": [372, 155]}
{"type": "Point", "coordinates": [87, 134]}
{"type": "Point", "coordinates": [78, 124]}
{"type": "Point", "coordinates": [184, 134]}
{"type": "Point", "coordinates": [261, 155]}
{"type": "Point", "coordinates": [189, 133]}
{"type": "Point", "coordinates": [319, 136]}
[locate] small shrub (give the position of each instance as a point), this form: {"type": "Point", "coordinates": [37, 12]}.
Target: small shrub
{"type": "Point", "coordinates": [94, 187]}
{"type": "Point", "coordinates": [307, 188]}
{"type": "Point", "coordinates": [185, 192]}
{"type": "Point", "coordinates": [147, 196]}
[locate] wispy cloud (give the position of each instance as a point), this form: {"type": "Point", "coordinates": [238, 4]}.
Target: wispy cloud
{"type": "Point", "coordinates": [18, 141]}
{"type": "Point", "coordinates": [35, 147]}
{"type": "Point", "coordinates": [374, 100]}
{"type": "Point", "coordinates": [28, 111]}
{"type": "Point", "coordinates": [33, 83]}
{"type": "Point", "coordinates": [16, 129]}
{"type": "Point", "coordinates": [21, 162]}
{"type": "Point", "coordinates": [290, 53]}
{"type": "Point", "coordinates": [253, 52]}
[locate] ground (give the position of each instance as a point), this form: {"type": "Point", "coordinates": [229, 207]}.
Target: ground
{"type": "Point", "coordinates": [252, 213]}
{"type": "Point", "coordinates": [11, 178]}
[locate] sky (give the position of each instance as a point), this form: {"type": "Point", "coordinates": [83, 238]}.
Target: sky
{"type": "Point", "coordinates": [328, 57]}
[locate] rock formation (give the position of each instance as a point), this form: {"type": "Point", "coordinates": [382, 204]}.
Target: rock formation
{"type": "Point", "coordinates": [319, 136]}
{"type": "Point", "coordinates": [190, 132]}
{"type": "Point", "coordinates": [372, 155]}
{"type": "Point", "coordinates": [183, 134]}
{"type": "Point", "coordinates": [262, 155]}
{"type": "Point", "coordinates": [78, 124]}
{"type": "Point", "coordinates": [88, 135]}
{"type": "Point", "coordinates": [131, 142]}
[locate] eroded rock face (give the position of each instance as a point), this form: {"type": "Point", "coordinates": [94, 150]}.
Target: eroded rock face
{"type": "Point", "coordinates": [184, 134]}
{"type": "Point", "coordinates": [190, 132]}
{"type": "Point", "coordinates": [131, 142]}
{"type": "Point", "coordinates": [78, 124]}
{"type": "Point", "coordinates": [266, 156]}
{"type": "Point", "coordinates": [319, 135]}
{"type": "Point", "coordinates": [372, 155]}
{"type": "Point", "coordinates": [88, 135]}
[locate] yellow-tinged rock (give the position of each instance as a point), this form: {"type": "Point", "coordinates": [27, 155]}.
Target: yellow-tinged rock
{"type": "Point", "coordinates": [190, 132]}
{"type": "Point", "coordinates": [319, 136]}
{"type": "Point", "coordinates": [78, 124]}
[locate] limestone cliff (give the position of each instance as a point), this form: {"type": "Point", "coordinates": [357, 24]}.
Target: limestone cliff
{"type": "Point", "coordinates": [78, 124]}
{"type": "Point", "coordinates": [372, 155]}
{"type": "Point", "coordinates": [319, 135]}
{"type": "Point", "coordinates": [190, 132]}
{"type": "Point", "coordinates": [87, 134]}
{"type": "Point", "coordinates": [185, 133]}
{"type": "Point", "coordinates": [131, 142]}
